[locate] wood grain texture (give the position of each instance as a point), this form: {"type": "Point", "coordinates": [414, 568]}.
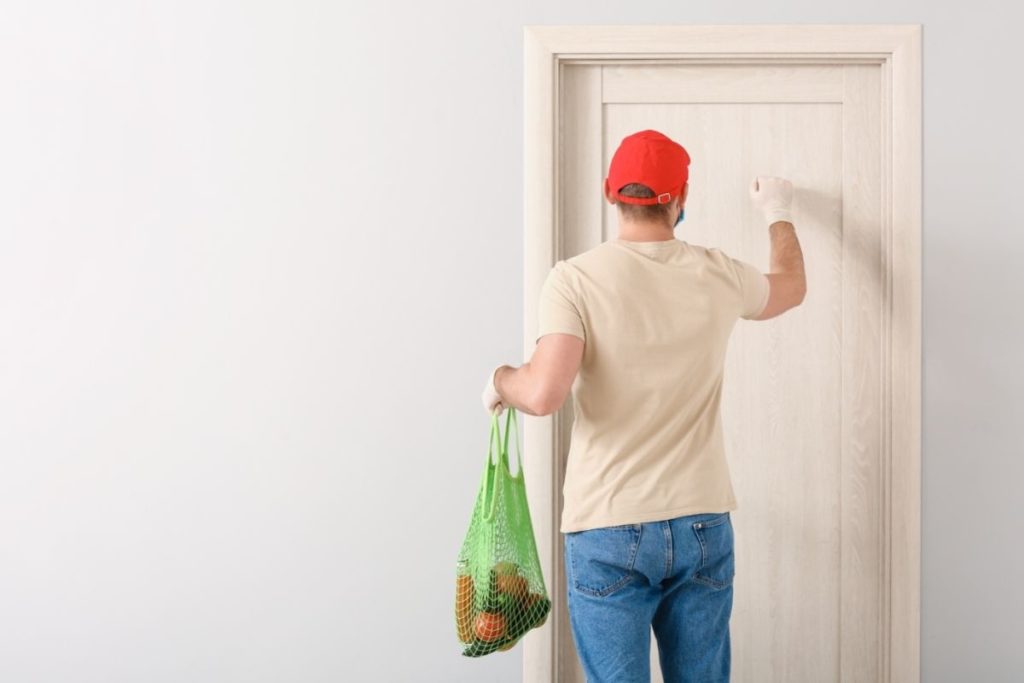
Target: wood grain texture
{"type": "Point", "coordinates": [673, 40]}
{"type": "Point", "coordinates": [720, 83]}
{"type": "Point", "coordinates": [904, 407]}
{"type": "Point", "coordinates": [539, 234]}
{"type": "Point", "coordinates": [580, 214]}
{"type": "Point", "coordinates": [864, 459]}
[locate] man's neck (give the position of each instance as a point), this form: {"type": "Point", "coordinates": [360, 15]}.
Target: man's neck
{"type": "Point", "coordinates": [645, 232]}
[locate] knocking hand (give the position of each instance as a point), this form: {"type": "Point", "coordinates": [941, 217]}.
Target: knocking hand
{"type": "Point", "coordinates": [774, 197]}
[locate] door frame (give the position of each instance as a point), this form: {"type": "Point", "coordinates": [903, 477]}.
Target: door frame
{"type": "Point", "coordinates": [897, 48]}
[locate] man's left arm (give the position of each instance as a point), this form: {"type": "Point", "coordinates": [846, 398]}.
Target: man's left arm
{"type": "Point", "coordinates": [540, 386]}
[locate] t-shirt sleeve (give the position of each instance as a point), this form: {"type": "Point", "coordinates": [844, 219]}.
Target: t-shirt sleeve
{"type": "Point", "coordinates": [558, 307]}
{"type": "Point", "coordinates": [753, 289]}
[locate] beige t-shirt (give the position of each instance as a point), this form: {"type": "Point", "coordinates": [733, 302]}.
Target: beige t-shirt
{"type": "Point", "coordinates": [646, 441]}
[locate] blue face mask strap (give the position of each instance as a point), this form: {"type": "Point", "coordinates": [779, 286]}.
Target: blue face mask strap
{"type": "Point", "coordinates": [682, 212]}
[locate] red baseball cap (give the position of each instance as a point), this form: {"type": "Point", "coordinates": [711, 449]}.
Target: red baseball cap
{"type": "Point", "coordinates": [652, 159]}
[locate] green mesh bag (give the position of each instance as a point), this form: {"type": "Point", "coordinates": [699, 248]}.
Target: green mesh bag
{"type": "Point", "coordinates": [499, 588]}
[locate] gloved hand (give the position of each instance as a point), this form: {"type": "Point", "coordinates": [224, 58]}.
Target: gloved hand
{"type": "Point", "coordinates": [774, 197]}
{"type": "Point", "coordinates": [491, 398]}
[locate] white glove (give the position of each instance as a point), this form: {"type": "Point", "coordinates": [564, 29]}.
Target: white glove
{"type": "Point", "coordinates": [774, 197]}
{"type": "Point", "coordinates": [491, 398]}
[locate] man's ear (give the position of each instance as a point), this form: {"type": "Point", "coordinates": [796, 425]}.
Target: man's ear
{"type": "Point", "coordinates": [608, 193]}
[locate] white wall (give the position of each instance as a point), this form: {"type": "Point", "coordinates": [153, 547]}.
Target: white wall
{"type": "Point", "coordinates": [256, 260]}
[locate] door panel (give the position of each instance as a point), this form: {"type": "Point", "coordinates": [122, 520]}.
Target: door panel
{"type": "Point", "coordinates": [802, 397]}
{"type": "Point", "coordinates": [686, 83]}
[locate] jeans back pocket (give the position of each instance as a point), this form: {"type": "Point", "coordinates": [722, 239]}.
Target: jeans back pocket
{"type": "Point", "coordinates": [717, 557]}
{"type": "Point", "coordinates": [601, 560]}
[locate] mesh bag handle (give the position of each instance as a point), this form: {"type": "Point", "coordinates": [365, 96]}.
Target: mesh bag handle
{"type": "Point", "coordinates": [491, 479]}
{"type": "Point", "coordinates": [504, 452]}
{"type": "Point", "coordinates": [501, 468]}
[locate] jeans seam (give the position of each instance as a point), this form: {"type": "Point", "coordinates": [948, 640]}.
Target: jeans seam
{"type": "Point", "coordinates": [618, 584]}
{"type": "Point", "coordinates": [698, 575]}
{"type": "Point", "coordinates": [715, 521]}
{"type": "Point", "coordinates": [668, 550]}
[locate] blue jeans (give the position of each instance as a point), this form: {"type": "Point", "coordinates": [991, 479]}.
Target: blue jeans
{"type": "Point", "coordinates": [674, 575]}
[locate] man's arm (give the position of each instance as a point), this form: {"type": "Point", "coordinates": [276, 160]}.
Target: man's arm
{"type": "Point", "coordinates": [540, 386]}
{"type": "Point", "coordinates": [787, 281]}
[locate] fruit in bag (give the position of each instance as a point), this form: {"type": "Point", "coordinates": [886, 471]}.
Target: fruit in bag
{"type": "Point", "coordinates": [464, 606]}
{"type": "Point", "coordinates": [490, 626]}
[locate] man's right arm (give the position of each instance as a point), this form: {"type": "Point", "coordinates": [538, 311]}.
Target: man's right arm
{"type": "Point", "coordinates": [786, 280]}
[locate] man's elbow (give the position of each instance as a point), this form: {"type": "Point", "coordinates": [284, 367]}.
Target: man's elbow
{"type": "Point", "coordinates": [801, 292]}
{"type": "Point", "coordinates": [546, 402]}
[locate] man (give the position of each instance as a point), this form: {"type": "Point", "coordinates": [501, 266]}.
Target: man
{"type": "Point", "coordinates": [637, 328]}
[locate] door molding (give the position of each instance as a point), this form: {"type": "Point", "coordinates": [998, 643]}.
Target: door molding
{"type": "Point", "coordinates": [897, 48]}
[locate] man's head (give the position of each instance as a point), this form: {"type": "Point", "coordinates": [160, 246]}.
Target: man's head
{"type": "Point", "coordinates": [648, 180]}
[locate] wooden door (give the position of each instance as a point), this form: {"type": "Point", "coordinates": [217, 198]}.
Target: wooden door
{"type": "Point", "coordinates": [802, 402]}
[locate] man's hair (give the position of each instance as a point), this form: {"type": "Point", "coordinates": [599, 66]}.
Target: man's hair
{"type": "Point", "coordinates": [646, 213]}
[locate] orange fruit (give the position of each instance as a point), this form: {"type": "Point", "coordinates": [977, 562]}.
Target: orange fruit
{"type": "Point", "coordinates": [490, 626]}
{"type": "Point", "coordinates": [516, 586]}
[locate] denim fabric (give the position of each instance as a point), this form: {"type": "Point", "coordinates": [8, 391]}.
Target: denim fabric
{"type": "Point", "coordinates": [674, 575]}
